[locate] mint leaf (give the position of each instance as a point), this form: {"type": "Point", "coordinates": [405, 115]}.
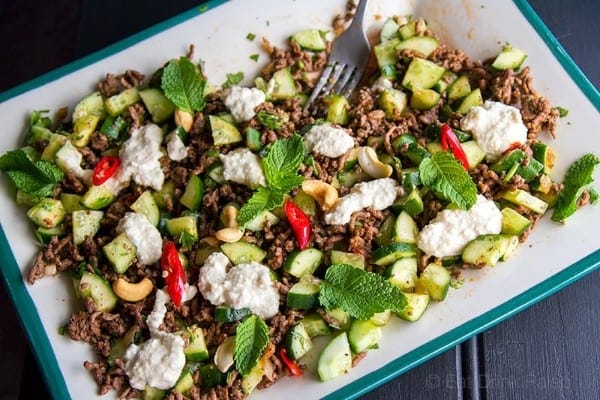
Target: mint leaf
{"type": "Point", "coordinates": [360, 293]}
{"type": "Point", "coordinates": [38, 178]}
{"type": "Point", "coordinates": [446, 176]}
{"type": "Point", "coordinates": [263, 199]}
{"type": "Point", "coordinates": [183, 85]}
{"type": "Point", "coordinates": [282, 162]}
{"type": "Point", "coordinates": [233, 79]}
{"type": "Point", "coordinates": [251, 339]}
{"type": "Point", "coordinates": [579, 175]}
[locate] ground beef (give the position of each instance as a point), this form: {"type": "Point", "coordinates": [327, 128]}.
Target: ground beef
{"type": "Point", "coordinates": [73, 184]}
{"type": "Point", "coordinates": [60, 253]}
{"type": "Point", "coordinates": [112, 84]}
{"type": "Point", "coordinates": [99, 142]}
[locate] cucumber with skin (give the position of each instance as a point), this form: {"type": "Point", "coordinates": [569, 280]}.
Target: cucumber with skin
{"type": "Point", "coordinates": [192, 196]}
{"type": "Point", "coordinates": [459, 88]}
{"type": "Point", "coordinates": [405, 228]}
{"type": "Point", "coordinates": [97, 197]}
{"type": "Point", "coordinates": [116, 104]}
{"type": "Point", "coordinates": [304, 262]}
{"type": "Point", "coordinates": [514, 223]}
{"type": "Point", "coordinates": [393, 102]}
{"type": "Point", "coordinates": [157, 104]}
{"type": "Point", "coordinates": [485, 249]}
{"type": "Point", "coordinates": [381, 318]}
{"type": "Point", "coordinates": [186, 224]}
{"type": "Point", "coordinates": [303, 295]}
{"type": "Point", "coordinates": [392, 252]}
{"type": "Point", "coordinates": [342, 257]}
{"type": "Point", "coordinates": [339, 319]}
{"type": "Point", "coordinates": [520, 197]}
{"type": "Point", "coordinates": [120, 252]}
{"type": "Point", "coordinates": [47, 213]}
{"type": "Point", "coordinates": [92, 104]}
{"type": "Point", "coordinates": [435, 281]}
{"type": "Point", "coordinates": [223, 132]}
{"type": "Point", "coordinates": [98, 289]}
{"type": "Point", "coordinates": [281, 86]}
{"type": "Point", "coordinates": [337, 109]}
{"type": "Point", "coordinates": [423, 44]}
{"type": "Point", "coordinates": [297, 341]}
{"type": "Point", "coordinates": [85, 223]}
{"type": "Point", "coordinates": [415, 307]}
{"type": "Point", "coordinates": [196, 349]}
{"type": "Point", "coordinates": [228, 314]}
{"type": "Point", "coordinates": [509, 58]}
{"type": "Point", "coordinates": [146, 206]}
{"type": "Point", "coordinates": [243, 252]}
{"type": "Point", "coordinates": [185, 382]}
{"type": "Point", "coordinates": [364, 335]}
{"type": "Point", "coordinates": [151, 393]}
{"type": "Point", "coordinates": [389, 30]}
{"type": "Point", "coordinates": [424, 99]}
{"type": "Point", "coordinates": [310, 39]}
{"type": "Point", "coordinates": [315, 325]}
{"type": "Point", "coordinates": [335, 359]}
{"type": "Point", "coordinates": [422, 74]}
{"type": "Point", "coordinates": [403, 273]}
{"type": "Point", "coordinates": [471, 100]}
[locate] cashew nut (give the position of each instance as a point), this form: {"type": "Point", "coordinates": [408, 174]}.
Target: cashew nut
{"type": "Point", "coordinates": [229, 216]}
{"type": "Point", "coordinates": [133, 292]}
{"type": "Point", "coordinates": [184, 119]}
{"type": "Point", "coordinates": [224, 355]}
{"type": "Point", "coordinates": [323, 193]}
{"type": "Point", "coordinates": [229, 235]}
{"type": "Point", "coordinates": [369, 162]}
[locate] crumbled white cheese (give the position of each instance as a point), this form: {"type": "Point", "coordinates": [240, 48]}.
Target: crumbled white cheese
{"type": "Point", "coordinates": [145, 237]}
{"type": "Point", "coordinates": [377, 194]}
{"type": "Point", "coordinates": [450, 231]}
{"type": "Point", "coordinates": [242, 102]}
{"type": "Point", "coordinates": [157, 362]}
{"type": "Point", "coordinates": [328, 140]}
{"type": "Point", "coordinates": [68, 159]}
{"type": "Point", "coordinates": [381, 84]}
{"type": "Point", "coordinates": [176, 149]}
{"type": "Point", "coordinates": [496, 127]}
{"type": "Point", "coordinates": [243, 286]}
{"type": "Point", "coordinates": [244, 167]}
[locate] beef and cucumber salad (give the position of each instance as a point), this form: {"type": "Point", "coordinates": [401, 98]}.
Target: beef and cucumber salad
{"type": "Point", "coordinates": [212, 232]}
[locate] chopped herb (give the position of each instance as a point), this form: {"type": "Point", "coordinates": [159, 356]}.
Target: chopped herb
{"type": "Point", "coordinates": [562, 112]}
{"type": "Point", "coordinates": [233, 79]}
{"type": "Point", "coordinates": [250, 36]}
{"type": "Point", "coordinates": [38, 178]}
{"type": "Point", "coordinates": [254, 57]}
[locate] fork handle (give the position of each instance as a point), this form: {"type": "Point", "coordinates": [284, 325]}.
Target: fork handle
{"type": "Point", "coordinates": [359, 15]}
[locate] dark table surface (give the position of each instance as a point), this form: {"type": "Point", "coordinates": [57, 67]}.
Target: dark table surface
{"type": "Point", "coordinates": [550, 351]}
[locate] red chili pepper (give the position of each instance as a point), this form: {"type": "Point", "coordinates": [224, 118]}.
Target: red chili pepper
{"type": "Point", "coordinates": [173, 272]}
{"type": "Point", "coordinates": [450, 141]}
{"type": "Point", "coordinates": [106, 167]}
{"type": "Point", "coordinates": [299, 221]}
{"type": "Point", "coordinates": [294, 369]}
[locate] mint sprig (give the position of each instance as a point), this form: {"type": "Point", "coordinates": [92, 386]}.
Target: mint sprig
{"type": "Point", "coordinates": [446, 176]}
{"type": "Point", "coordinates": [280, 166]}
{"type": "Point", "coordinates": [233, 79]}
{"type": "Point", "coordinates": [360, 293]}
{"type": "Point", "coordinates": [183, 85]}
{"type": "Point", "coordinates": [37, 178]}
{"type": "Point", "coordinates": [578, 176]}
{"type": "Point", "coordinates": [251, 339]}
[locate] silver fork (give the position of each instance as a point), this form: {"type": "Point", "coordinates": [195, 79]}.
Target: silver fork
{"type": "Point", "coordinates": [348, 59]}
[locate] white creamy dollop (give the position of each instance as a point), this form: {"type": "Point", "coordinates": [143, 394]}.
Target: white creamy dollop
{"type": "Point", "coordinates": [328, 140]}
{"type": "Point", "coordinates": [377, 194]}
{"type": "Point", "coordinates": [144, 236]}
{"type": "Point", "coordinates": [450, 231]}
{"type": "Point", "coordinates": [242, 102]}
{"type": "Point", "coordinates": [496, 127]}
{"type": "Point", "coordinates": [244, 167]}
{"type": "Point", "coordinates": [157, 362]}
{"type": "Point", "coordinates": [243, 286]}
{"type": "Point", "coordinates": [176, 149]}
{"type": "Point", "coordinates": [69, 159]}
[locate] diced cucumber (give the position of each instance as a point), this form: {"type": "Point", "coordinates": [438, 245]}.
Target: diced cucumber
{"type": "Point", "coordinates": [512, 243]}
{"type": "Point", "coordinates": [392, 252]}
{"type": "Point", "coordinates": [434, 280]}
{"type": "Point", "coordinates": [485, 249]}
{"type": "Point", "coordinates": [410, 178]}
{"type": "Point", "coordinates": [385, 52]}
{"type": "Point", "coordinates": [243, 252]}
{"type": "Point", "coordinates": [185, 382]}
{"type": "Point", "coordinates": [281, 86]}
{"type": "Point", "coordinates": [412, 27]}
{"type": "Point", "coordinates": [306, 203]}
{"type": "Point", "coordinates": [194, 190]}
{"type": "Point", "coordinates": [422, 74]}
{"type": "Point", "coordinates": [71, 202]}
{"type": "Point", "coordinates": [471, 100]}
{"type": "Point", "coordinates": [45, 234]}
{"type": "Point", "coordinates": [415, 153]}
{"type": "Point", "coordinates": [459, 88]}
{"type": "Point", "coordinates": [92, 104]}
{"type": "Point", "coordinates": [542, 184]}
{"type": "Point", "coordinates": [250, 381]}
{"type": "Point", "coordinates": [412, 203]}
{"type": "Point", "coordinates": [85, 223]}
{"type": "Point", "coordinates": [210, 376]}
{"type": "Point", "coordinates": [342, 257]}
{"type": "Point", "coordinates": [416, 304]}
{"type": "Point", "coordinates": [405, 228]}
{"type": "Point", "coordinates": [424, 99]}
{"type": "Point", "coordinates": [116, 104]}
{"type": "Point", "coordinates": [215, 172]}
{"type": "Point", "coordinates": [363, 335]}
{"type": "Point", "coordinates": [47, 213]}
{"type": "Point", "coordinates": [253, 139]}
{"type": "Point", "coordinates": [118, 346]}
{"type": "Point", "coordinates": [157, 104]}
{"type": "Point", "coordinates": [381, 318]}
{"type": "Point", "coordinates": [544, 154]}
{"type": "Point", "coordinates": [393, 102]}
{"type": "Point", "coordinates": [423, 44]}
{"type": "Point", "coordinates": [525, 199]}
{"type": "Point", "coordinates": [165, 195]}
{"type": "Point", "coordinates": [113, 126]}
{"type": "Point", "coordinates": [259, 222]}
{"type": "Point", "coordinates": [120, 252]}
{"type": "Point", "coordinates": [183, 225]}
{"type": "Point", "coordinates": [389, 30]}
{"type": "Point", "coordinates": [386, 231]}
{"type": "Point", "coordinates": [509, 58]}
{"type": "Point", "coordinates": [474, 153]}
{"type": "Point", "coordinates": [97, 197]}
{"type": "Point", "coordinates": [146, 206]}
{"type": "Point", "coordinates": [337, 109]}
{"type": "Point", "coordinates": [403, 273]}
{"type": "Point", "coordinates": [223, 132]}
{"type": "Point", "coordinates": [315, 325]}
{"type": "Point", "coordinates": [228, 314]}
{"type": "Point", "coordinates": [83, 128]}
{"type": "Point", "coordinates": [508, 160]}
{"type": "Point", "coordinates": [196, 349]}
{"type": "Point", "coordinates": [335, 359]}
{"type": "Point", "coordinates": [445, 81]}
{"type": "Point", "coordinates": [339, 319]}
{"type": "Point", "coordinates": [151, 393]}
{"type": "Point", "coordinates": [514, 223]}
{"type": "Point", "coordinates": [303, 295]}
{"type": "Point", "coordinates": [349, 178]}
{"type": "Point", "coordinates": [530, 170]}
{"type": "Point", "coordinates": [297, 341]}
{"type": "Point", "coordinates": [95, 287]}
{"type": "Point", "coordinates": [66, 156]}
{"type": "Point", "coordinates": [304, 262]}
{"type": "Point", "coordinates": [310, 39]}
{"type": "Point", "coordinates": [55, 143]}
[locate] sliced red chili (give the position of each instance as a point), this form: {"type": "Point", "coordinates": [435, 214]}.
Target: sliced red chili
{"type": "Point", "coordinates": [449, 140]}
{"type": "Point", "coordinates": [173, 272]}
{"type": "Point", "coordinates": [106, 167]}
{"type": "Point", "coordinates": [299, 221]}
{"type": "Point", "coordinates": [294, 369]}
